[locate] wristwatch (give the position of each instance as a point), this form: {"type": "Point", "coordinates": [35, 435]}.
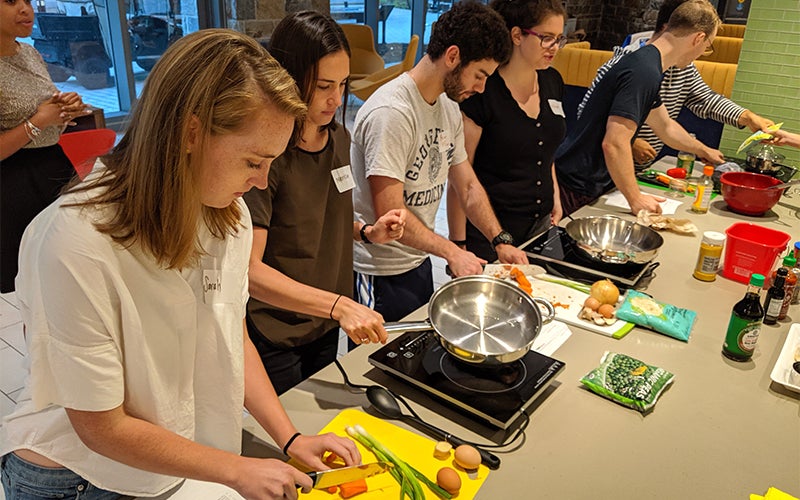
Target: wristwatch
{"type": "Point", "coordinates": [363, 233]}
{"type": "Point", "coordinates": [504, 238]}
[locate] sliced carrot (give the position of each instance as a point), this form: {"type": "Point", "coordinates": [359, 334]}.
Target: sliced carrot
{"type": "Point", "coordinates": [522, 280]}
{"type": "Point", "coordinates": [353, 488]}
{"type": "Point", "coordinates": [332, 489]}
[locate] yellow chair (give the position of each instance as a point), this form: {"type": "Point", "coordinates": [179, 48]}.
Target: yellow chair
{"type": "Point", "coordinates": [718, 76]}
{"type": "Point", "coordinates": [364, 59]}
{"type": "Point", "coordinates": [579, 66]}
{"type": "Point", "coordinates": [726, 50]}
{"type": "Point", "coordinates": [732, 30]}
{"type": "Point", "coordinates": [364, 87]}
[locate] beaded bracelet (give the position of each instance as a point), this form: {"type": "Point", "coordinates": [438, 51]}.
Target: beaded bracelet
{"type": "Point", "coordinates": [289, 443]}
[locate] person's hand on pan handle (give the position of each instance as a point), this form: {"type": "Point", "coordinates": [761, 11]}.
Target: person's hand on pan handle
{"type": "Point", "coordinates": [360, 323]}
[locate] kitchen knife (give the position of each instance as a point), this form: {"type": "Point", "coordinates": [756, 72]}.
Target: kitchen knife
{"type": "Point", "coordinates": [334, 477]}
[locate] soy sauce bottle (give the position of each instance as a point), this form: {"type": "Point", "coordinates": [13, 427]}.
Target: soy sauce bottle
{"type": "Point", "coordinates": [774, 299]}
{"type": "Point", "coordinates": [745, 323]}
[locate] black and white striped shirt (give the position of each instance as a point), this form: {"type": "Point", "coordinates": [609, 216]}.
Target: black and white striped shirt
{"type": "Point", "coordinates": [680, 87]}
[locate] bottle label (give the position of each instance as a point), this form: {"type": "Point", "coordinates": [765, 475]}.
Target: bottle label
{"type": "Point", "coordinates": [709, 265]}
{"type": "Point", "coordinates": [774, 307]}
{"type": "Point", "coordinates": [742, 336]}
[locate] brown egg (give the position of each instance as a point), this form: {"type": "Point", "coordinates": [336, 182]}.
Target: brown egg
{"type": "Point", "coordinates": [607, 310]}
{"type": "Point", "coordinates": [449, 480]}
{"type": "Point", "coordinates": [592, 303]}
{"type": "Point", "coordinates": [467, 457]}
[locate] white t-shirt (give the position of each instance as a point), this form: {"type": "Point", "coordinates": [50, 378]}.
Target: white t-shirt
{"type": "Point", "coordinates": [398, 134]}
{"type": "Point", "coordinates": [106, 325]}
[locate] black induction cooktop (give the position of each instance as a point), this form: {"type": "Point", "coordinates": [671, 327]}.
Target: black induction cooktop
{"type": "Point", "coordinates": [558, 254]}
{"type": "Point", "coordinates": [497, 394]}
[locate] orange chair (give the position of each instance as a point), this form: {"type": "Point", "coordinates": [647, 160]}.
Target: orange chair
{"type": "Point", "coordinates": [83, 147]}
{"type": "Point", "coordinates": [364, 87]}
{"type": "Point", "coordinates": [364, 59]}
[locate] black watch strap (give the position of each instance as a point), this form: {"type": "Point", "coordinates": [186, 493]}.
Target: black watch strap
{"type": "Point", "coordinates": [363, 233]}
{"type": "Point", "coordinates": [503, 238]}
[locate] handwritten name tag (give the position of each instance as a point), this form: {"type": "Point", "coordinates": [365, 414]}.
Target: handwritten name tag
{"type": "Point", "coordinates": [219, 287]}
{"type": "Point", "coordinates": [343, 177]}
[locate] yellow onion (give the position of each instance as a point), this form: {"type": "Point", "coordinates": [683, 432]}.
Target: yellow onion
{"type": "Point", "coordinates": [605, 291]}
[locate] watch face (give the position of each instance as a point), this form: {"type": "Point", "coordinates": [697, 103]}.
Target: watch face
{"type": "Point", "coordinates": [503, 238]}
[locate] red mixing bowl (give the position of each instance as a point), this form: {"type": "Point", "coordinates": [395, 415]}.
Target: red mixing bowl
{"type": "Point", "coordinates": [746, 193]}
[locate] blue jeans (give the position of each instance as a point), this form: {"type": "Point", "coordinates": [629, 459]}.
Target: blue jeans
{"type": "Point", "coordinates": [23, 480]}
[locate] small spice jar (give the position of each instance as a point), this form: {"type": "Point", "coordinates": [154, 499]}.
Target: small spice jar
{"type": "Point", "coordinates": [709, 256]}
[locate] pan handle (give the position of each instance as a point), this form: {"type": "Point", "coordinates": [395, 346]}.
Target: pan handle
{"type": "Point", "coordinates": [407, 326]}
{"type": "Point", "coordinates": [551, 311]}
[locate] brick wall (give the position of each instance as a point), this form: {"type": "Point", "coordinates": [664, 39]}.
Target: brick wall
{"type": "Point", "coordinates": [768, 76]}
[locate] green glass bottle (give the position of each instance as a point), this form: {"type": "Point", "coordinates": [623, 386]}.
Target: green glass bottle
{"type": "Point", "coordinates": [745, 323]}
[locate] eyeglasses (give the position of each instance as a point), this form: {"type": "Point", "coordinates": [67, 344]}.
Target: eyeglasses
{"type": "Point", "coordinates": [709, 50]}
{"type": "Point", "coordinates": [548, 41]}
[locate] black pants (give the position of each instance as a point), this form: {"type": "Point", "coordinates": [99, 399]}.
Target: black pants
{"type": "Point", "coordinates": [396, 296]}
{"type": "Point", "coordinates": [30, 180]}
{"type": "Point", "coordinates": [288, 366]}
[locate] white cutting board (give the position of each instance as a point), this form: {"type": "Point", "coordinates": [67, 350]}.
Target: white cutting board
{"type": "Point", "coordinates": [567, 301]}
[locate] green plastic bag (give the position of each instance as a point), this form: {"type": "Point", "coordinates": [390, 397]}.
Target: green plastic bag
{"type": "Point", "coordinates": [628, 381]}
{"type": "Point", "coordinates": [643, 310]}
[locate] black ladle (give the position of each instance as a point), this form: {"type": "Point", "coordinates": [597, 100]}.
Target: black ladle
{"type": "Point", "coordinates": [387, 405]}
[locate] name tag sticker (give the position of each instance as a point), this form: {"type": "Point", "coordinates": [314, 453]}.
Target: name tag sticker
{"type": "Point", "coordinates": [343, 177]}
{"type": "Point", "coordinates": [219, 287]}
{"type": "Point", "coordinates": [556, 107]}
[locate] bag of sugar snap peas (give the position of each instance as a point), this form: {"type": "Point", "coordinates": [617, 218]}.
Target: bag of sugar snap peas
{"type": "Point", "coordinates": [628, 381]}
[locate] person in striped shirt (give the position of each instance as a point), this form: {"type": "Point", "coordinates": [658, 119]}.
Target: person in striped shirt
{"type": "Point", "coordinates": [680, 87]}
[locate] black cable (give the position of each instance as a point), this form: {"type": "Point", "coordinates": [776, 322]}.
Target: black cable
{"type": "Point", "coordinates": [517, 434]}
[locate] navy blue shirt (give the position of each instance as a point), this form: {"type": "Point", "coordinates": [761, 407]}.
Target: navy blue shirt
{"type": "Point", "coordinates": [629, 90]}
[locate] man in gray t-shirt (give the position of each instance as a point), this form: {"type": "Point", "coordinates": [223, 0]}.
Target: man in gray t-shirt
{"type": "Point", "coordinates": [408, 141]}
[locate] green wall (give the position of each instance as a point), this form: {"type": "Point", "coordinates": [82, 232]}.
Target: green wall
{"type": "Point", "coordinates": [768, 76]}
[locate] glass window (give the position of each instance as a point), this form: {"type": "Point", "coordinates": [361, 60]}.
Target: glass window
{"type": "Point", "coordinates": [83, 49]}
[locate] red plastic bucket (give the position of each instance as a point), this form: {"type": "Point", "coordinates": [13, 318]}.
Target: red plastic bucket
{"type": "Point", "coordinates": [751, 248]}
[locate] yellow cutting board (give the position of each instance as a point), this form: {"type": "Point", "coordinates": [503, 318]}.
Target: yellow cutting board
{"type": "Point", "coordinates": [414, 449]}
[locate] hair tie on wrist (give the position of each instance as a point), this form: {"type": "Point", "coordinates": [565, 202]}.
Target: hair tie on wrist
{"type": "Point", "coordinates": [334, 306]}
{"type": "Point", "coordinates": [460, 243]}
{"type": "Point", "coordinates": [290, 441]}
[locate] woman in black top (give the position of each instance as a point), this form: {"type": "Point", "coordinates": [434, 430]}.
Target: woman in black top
{"type": "Point", "coordinates": [512, 130]}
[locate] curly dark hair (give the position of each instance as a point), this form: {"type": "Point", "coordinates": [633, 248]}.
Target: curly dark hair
{"type": "Point", "coordinates": [527, 13]}
{"type": "Point", "coordinates": [478, 31]}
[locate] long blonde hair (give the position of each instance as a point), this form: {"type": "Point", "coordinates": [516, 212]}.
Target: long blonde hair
{"type": "Point", "coordinates": [218, 76]}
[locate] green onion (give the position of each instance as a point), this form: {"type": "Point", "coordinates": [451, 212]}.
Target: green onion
{"type": "Point", "coordinates": [567, 283]}
{"type": "Point", "coordinates": [406, 476]}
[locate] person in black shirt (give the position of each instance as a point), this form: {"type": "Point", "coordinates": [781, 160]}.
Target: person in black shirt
{"type": "Point", "coordinates": [597, 155]}
{"type": "Point", "coordinates": [512, 130]}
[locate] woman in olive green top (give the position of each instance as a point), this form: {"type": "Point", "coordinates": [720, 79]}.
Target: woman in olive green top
{"type": "Point", "coordinates": [301, 276]}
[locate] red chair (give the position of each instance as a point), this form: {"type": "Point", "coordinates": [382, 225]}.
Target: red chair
{"type": "Point", "coordinates": [83, 147]}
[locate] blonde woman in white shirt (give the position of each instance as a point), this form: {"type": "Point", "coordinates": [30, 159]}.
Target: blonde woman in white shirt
{"type": "Point", "coordinates": [133, 287]}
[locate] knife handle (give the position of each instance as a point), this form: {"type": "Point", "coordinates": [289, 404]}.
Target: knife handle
{"type": "Point", "coordinates": [488, 459]}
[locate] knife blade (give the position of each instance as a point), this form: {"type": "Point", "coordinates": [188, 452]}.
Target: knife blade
{"type": "Point", "coordinates": [333, 477]}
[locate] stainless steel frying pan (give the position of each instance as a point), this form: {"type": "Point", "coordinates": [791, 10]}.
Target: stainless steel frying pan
{"type": "Point", "coordinates": [482, 319]}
